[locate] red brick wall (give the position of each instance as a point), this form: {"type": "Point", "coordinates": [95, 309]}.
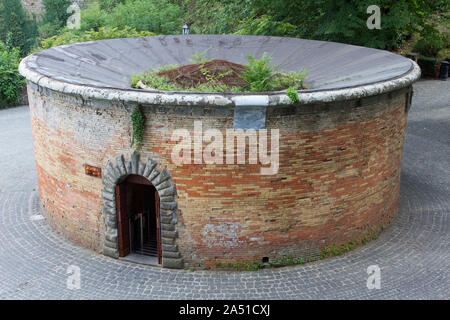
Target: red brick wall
{"type": "Point", "coordinates": [338, 178]}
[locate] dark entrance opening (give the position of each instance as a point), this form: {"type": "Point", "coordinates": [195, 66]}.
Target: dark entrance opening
{"type": "Point", "coordinates": [139, 234]}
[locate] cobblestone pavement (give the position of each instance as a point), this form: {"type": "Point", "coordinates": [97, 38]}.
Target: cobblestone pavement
{"type": "Point", "coordinates": [413, 253]}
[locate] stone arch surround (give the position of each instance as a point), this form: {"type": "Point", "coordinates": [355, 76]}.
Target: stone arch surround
{"type": "Point", "coordinates": [116, 171]}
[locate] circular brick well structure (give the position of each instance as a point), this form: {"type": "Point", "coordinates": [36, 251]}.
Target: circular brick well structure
{"type": "Point", "coordinates": [336, 179]}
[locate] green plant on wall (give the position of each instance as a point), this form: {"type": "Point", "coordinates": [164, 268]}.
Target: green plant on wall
{"type": "Point", "coordinates": [292, 94]}
{"type": "Point", "coordinates": [138, 122]}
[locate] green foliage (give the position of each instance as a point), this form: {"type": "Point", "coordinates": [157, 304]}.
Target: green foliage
{"type": "Point", "coordinates": [215, 17]}
{"type": "Point", "coordinates": [47, 30]}
{"type": "Point", "coordinates": [14, 21]}
{"type": "Point", "coordinates": [158, 16]}
{"type": "Point", "coordinates": [74, 36]}
{"type": "Point", "coordinates": [54, 18]}
{"type": "Point", "coordinates": [167, 67]}
{"type": "Point", "coordinates": [265, 25]}
{"type": "Point", "coordinates": [138, 122]}
{"type": "Point", "coordinates": [292, 94]}
{"type": "Point", "coordinates": [94, 17]}
{"type": "Point", "coordinates": [108, 5]}
{"type": "Point", "coordinates": [10, 79]}
{"type": "Point", "coordinates": [345, 21]}
{"type": "Point", "coordinates": [152, 81]}
{"type": "Point", "coordinates": [56, 12]}
{"type": "Point", "coordinates": [336, 251]}
{"type": "Point", "coordinates": [332, 20]}
{"type": "Point", "coordinates": [431, 43]}
{"type": "Point", "coordinates": [199, 57]}
{"type": "Point", "coordinates": [440, 5]}
{"type": "Point", "coordinates": [258, 75]}
{"type": "Point", "coordinates": [255, 266]}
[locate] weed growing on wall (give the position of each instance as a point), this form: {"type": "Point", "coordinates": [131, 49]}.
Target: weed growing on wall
{"type": "Point", "coordinates": [138, 123]}
{"type": "Point", "coordinates": [292, 94]}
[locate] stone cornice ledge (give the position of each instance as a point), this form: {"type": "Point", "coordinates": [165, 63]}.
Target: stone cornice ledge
{"type": "Point", "coordinates": [27, 70]}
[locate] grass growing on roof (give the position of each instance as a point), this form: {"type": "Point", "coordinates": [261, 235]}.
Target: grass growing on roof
{"type": "Point", "coordinates": [221, 76]}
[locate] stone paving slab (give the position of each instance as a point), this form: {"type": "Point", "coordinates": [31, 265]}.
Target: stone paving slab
{"type": "Point", "coordinates": [413, 253]}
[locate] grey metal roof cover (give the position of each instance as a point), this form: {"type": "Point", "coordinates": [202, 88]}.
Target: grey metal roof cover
{"type": "Point", "coordinates": [111, 63]}
{"type": "Point", "coordinates": [102, 69]}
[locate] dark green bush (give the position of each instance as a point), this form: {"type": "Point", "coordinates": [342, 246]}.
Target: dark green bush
{"type": "Point", "coordinates": [15, 22]}
{"type": "Point", "coordinates": [93, 17]}
{"type": "Point", "coordinates": [56, 12]}
{"type": "Point", "coordinates": [429, 47]}
{"type": "Point", "coordinates": [265, 25]}
{"type": "Point", "coordinates": [108, 5]}
{"type": "Point", "coordinates": [440, 5]}
{"type": "Point", "coordinates": [428, 66]}
{"type": "Point", "coordinates": [47, 30]}
{"type": "Point", "coordinates": [332, 20]}
{"type": "Point", "coordinates": [73, 36]}
{"type": "Point", "coordinates": [431, 43]}
{"type": "Point", "coordinates": [10, 79]}
{"type": "Point", "coordinates": [158, 16]}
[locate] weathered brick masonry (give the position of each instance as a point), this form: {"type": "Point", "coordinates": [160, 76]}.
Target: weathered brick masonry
{"type": "Point", "coordinates": [338, 177]}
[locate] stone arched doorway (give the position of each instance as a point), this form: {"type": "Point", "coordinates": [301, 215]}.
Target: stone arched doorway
{"type": "Point", "coordinates": [116, 172]}
{"type": "Point", "coordinates": [138, 220]}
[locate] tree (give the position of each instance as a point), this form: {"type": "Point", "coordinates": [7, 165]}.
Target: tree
{"type": "Point", "coordinates": [330, 20]}
{"type": "Point", "coordinates": [56, 12]}
{"type": "Point", "coordinates": [345, 20]}
{"type": "Point", "coordinates": [15, 22]}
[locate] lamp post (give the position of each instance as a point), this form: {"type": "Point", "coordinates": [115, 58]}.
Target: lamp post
{"type": "Point", "coordinates": [185, 29]}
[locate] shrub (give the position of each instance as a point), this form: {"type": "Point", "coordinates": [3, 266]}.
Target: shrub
{"type": "Point", "coordinates": [431, 43]}
{"type": "Point", "coordinates": [47, 30]}
{"type": "Point", "coordinates": [10, 79]}
{"type": "Point", "coordinates": [93, 17]}
{"type": "Point", "coordinates": [258, 74]}
{"type": "Point", "coordinates": [260, 77]}
{"type": "Point", "coordinates": [56, 12]}
{"type": "Point", "coordinates": [70, 36]}
{"type": "Point", "coordinates": [158, 16]}
{"type": "Point", "coordinates": [332, 20]}
{"type": "Point", "coordinates": [429, 47]}
{"type": "Point", "coordinates": [108, 5]}
{"type": "Point", "coordinates": [217, 76]}
{"type": "Point", "coordinates": [264, 25]}
{"type": "Point", "coordinates": [15, 22]}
